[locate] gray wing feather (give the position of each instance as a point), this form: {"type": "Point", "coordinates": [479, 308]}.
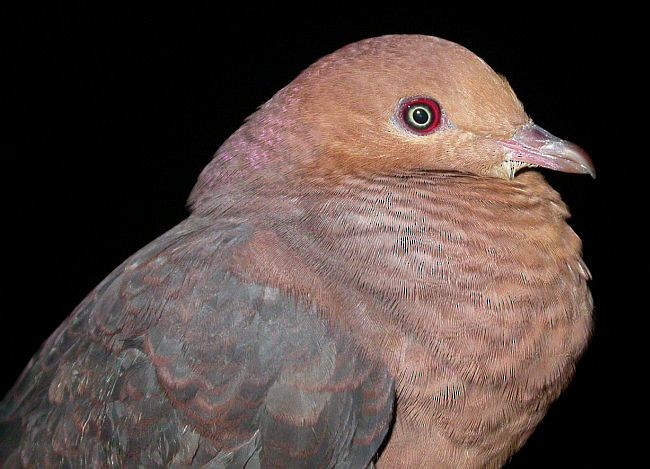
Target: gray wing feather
{"type": "Point", "coordinates": [173, 361]}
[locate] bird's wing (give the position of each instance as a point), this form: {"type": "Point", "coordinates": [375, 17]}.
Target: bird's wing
{"type": "Point", "coordinates": [174, 360]}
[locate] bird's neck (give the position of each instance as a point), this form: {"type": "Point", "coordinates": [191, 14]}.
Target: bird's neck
{"type": "Point", "coordinates": [430, 257]}
{"type": "Point", "coordinates": [468, 288]}
{"type": "Point", "coordinates": [256, 160]}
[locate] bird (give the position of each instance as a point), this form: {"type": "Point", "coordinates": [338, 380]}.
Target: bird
{"type": "Point", "coordinates": [373, 273]}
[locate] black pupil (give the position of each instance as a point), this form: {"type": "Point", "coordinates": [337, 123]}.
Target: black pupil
{"type": "Point", "coordinates": [420, 116]}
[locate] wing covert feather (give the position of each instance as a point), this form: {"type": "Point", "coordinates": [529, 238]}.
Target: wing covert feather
{"type": "Point", "coordinates": [175, 361]}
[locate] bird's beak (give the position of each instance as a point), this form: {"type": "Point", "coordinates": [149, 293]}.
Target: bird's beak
{"type": "Point", "coordinates": [532, 145]}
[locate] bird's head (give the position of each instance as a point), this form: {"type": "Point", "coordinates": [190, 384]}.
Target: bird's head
{"type": "Point", "coordinates": [396, 104]}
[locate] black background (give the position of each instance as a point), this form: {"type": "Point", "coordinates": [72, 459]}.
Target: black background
{"type": "Point", "coordinates": [117, 109]}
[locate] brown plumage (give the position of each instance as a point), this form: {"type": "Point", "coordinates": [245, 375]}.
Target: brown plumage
{"type": "Point", "coordinates": [348, 290]}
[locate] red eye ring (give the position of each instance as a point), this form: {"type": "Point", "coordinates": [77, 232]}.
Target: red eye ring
{"type": "Point", "coordinates": [421, 115]}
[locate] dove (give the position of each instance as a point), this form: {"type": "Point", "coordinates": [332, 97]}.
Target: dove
{"type": "Point", "coordinates": [374, 273]}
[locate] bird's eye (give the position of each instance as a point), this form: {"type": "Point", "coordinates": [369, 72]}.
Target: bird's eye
{"type": "Point", "coordinates": [422, 115]}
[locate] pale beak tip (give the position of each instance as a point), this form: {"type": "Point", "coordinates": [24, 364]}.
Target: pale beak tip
{"type": "Point", "coordinates": [535, 146]}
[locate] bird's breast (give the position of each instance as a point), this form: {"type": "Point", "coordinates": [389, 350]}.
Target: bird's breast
{"type": "Point", "coordinates": [471, 289]}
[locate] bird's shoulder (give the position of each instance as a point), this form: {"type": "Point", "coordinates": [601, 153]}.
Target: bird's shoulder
{"type": "Point", "coordinates": [174, 359]}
